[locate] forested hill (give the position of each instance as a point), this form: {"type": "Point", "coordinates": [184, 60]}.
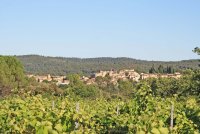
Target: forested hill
{"type": "Point", "coordinates": [36, 64]}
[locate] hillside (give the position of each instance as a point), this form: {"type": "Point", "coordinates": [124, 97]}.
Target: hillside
{"type": "Point", "coordinates": [36, 64]}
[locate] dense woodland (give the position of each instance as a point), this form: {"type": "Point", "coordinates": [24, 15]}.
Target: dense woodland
{"type": "Point", "coordinates": [35, 64]}
{"type": "Point", "coordinates": [27, 106]}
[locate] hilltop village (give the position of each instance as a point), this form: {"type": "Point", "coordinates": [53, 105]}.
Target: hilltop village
{"type": "Point", "coordinates": [114, 75]}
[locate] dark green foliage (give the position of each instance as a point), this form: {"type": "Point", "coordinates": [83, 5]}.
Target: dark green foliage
{"type": "Point", "coordinates": [197, 50]}
{"type": "Point", "coordinates": [187, 85]}
{"type": "Point", "coordinates": [61, 66]}
{"type": "Point", "coordinates": [195, 83]}
{"type": "Point", "coordinates": [86, 91]}
{"type": "Point", "coordinates": [11, 74]}
{"type": "Point", "coordinates": [125, 88]}
{"type": "Point", "coordinates": [152, 70]}
{"type": "Point", "coordinates": [162, 70]}
{"type": "Point", "coordinates": [74, 80]}
{"type": "Point", "coordinates": [169, 70]}
{"type": "Point", "coordinates": [77, 89]}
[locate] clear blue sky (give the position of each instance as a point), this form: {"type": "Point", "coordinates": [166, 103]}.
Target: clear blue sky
{"type": "Point", "coordinates": [141, 29]}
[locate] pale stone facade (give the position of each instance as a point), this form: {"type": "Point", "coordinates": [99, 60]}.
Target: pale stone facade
{"type": "Point", "coordinates": [60, 80]}
{"type": "Point", "coordinates": [116, 75]}
{"type": "Point", "coordinates": [145, 76]}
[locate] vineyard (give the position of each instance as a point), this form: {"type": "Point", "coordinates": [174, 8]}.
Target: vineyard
{"type": "Point", "coordinates": [150, 106]}
{"type": "Point", "coordinates": [140, 115]}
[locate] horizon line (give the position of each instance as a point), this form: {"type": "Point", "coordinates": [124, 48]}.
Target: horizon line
{"type": "Point", "coordinates": [98, 57]}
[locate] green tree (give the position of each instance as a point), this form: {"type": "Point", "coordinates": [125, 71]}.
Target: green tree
{"type": "Point", "coordinates": [125, 87]}
{"type": "Point", "coordinates": [11, 74]}
{"type": "Point", "coordinates": [197, 50]}
{"type": "Point", "coordinates": [152, 70]}
{"type": "Point", "coordinates": [160, 69]}
{"type": "Point", "coordinates": [74, 80]}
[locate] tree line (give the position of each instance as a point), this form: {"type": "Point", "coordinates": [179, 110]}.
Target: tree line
{"type": "Point", "coordinates": [162, 70]}
{"type": "Point", "coordinates": [36, 64]}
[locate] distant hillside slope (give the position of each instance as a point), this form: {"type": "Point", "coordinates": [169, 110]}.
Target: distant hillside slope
{"type": "Point", "coordinates": [35, 64]}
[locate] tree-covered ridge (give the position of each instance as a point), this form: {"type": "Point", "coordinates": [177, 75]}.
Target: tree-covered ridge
{"type": "Point", "coordinates": [35, 64]}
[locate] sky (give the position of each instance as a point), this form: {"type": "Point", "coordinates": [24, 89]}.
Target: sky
{"type": "Point", "coordinates": [142, 29]}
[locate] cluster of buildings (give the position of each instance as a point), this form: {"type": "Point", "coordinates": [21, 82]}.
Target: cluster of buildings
{"type": "Point", "coordinates": [145, 76]}
{"type": "Point", "coordinates": [60, 80]}
{"type": "Point", "coordinates": [116, 75]}
{"type": "Point", "coordinates": [112, 74]}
